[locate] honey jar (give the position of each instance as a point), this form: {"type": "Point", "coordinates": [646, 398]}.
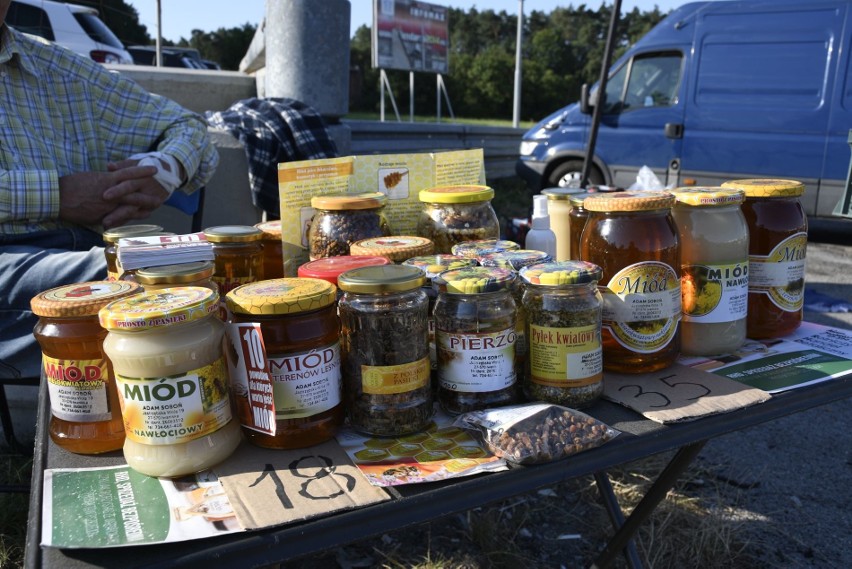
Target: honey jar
{"type": "Point", "coordinates": [111, 237]}
{"type": "Point", "coordinates": [238, 255]}
{"type": "Point", "coordinates": [274, 264]}
{"type": "Point", "coordinates": [197, 273]}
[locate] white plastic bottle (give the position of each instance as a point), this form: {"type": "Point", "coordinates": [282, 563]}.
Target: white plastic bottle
{"type": "Point", "coordinates": [540, 237]}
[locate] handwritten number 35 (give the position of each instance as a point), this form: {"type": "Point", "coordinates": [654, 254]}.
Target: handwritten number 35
{"type": "Point", "coordinates": [641, 391]}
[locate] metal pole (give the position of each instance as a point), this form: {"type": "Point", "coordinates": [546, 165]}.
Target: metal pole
{"type": "Point", "coordinates": [516, 113]}
{"type": "Point", "coordinates": [159, 46]}
{"type": "Point", "coordinates": [596, 113]}
{"type": "Point", "coordinates": [411, 99]}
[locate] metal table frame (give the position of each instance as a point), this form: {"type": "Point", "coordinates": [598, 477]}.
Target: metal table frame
{"type": "Point", "coordinates": [419, 503]}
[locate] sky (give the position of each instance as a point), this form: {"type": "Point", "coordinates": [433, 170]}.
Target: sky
{"type": "Point", "coordinates": [180, 17]}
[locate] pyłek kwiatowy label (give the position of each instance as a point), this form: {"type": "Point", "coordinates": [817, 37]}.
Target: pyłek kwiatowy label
{"type": "Point", "coordinates": [565, 357]}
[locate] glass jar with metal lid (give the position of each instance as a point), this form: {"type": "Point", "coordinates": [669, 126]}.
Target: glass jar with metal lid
{"type": "Point", "coordinates": [166, 350]}
{"type": "Point", "coordinates": [342, 219]}
{"type": "Point", "coordinates": [475, 249]}
{"type": "Point", "coordinates": [632, 237]}
{"type": "Point", "coordinates": [300, 330]}
{"type": "Point", "coordinates": [397, 248]}
{"type": "Point", "coordinates": [238, 255]}
{"type": "Point", "coordinates": [778, 240]}
{"type": "Point", "coordinates": [454, 214]}
{"type": "Point", "coordinates": [330, 268]}
{"type": "Point", "coordinates": [563, 312]}
{"type": "Point", "coordinates": [196, 273]}
{"type": "Point", "coordinates": [111, 237]}
{"type": "Point", "coordinates": [559, 209]}
{"type": "Point", "coordinates": [576, 222]}
{"type": "Point", "coordinates": [714, 269]}
{"type": "Point", "coordinates": [275, 266]}
{"type": "Point", "coordinates": [475, 338]}
{"type": "Point", "coordinates": [85, 415]}
{"type": "Point", "coordinates": [385, 340]}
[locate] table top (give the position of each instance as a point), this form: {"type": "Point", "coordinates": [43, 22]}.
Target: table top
{"type": "Point", "coordinates": [409, 504]}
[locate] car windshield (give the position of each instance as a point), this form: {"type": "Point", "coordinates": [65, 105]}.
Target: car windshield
{"type": "Point", "coordinates": [97, 30]}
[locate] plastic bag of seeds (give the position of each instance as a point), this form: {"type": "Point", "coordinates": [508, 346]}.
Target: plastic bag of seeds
{"type": "Point", "coordinates": [536, 432]}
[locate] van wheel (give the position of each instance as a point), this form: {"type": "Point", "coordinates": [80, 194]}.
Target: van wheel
{"type": "Point", "coordinates": [567, 175]}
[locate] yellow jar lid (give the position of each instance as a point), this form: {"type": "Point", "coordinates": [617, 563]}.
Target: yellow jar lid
{"type": "Point", "coordinates": [434, 265]}
{"type": "Point", "coordinates": [474, 280]}
{"type": "Point", "coordinates": [478, 247]}
{"type": "Point", "coordinates": [271, 229]}
{"type": "Point", "coordinates": [233, 234]}
{"type": "Point", "coordinates": [561, 273]}
{"type": "Point", "coordinates": [397, 248]}
{"type": "Point", "coordinates": [708, 196]}
{"type": "Point", "coordinates": [514, 260]}
{"type": "Point", "coordinates": [561, 194]}
{"type": "Point", "coordinates": [281, 296]}
{"type": "Point", "coordinates": [629, 201]}
{"type": "Point", "coordinates": [141, 230]}
{"type": "Point", "coordinates": [367, 200]}
{"type": "Point", "coordinates": [81, 299]}
{"type": "Point", "coordinates": [381, 279]}
{"type": "Point", "coordinates": [577, 200]}
{"type": "Point", "coordinates": [767, 188]}
{"type": "Point", "coordinates": [177, 274]}
{"type": "Point", "coordinates": [456, 194]}
{"type": "Point", "coordinates": [160, 308]}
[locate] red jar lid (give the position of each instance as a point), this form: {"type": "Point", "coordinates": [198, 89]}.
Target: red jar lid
{"type": "Point", "coordinates": [329, 268]}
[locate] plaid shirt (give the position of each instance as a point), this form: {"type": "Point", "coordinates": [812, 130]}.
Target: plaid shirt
{"type": "Point", "coordinates": [61, 113]}
{"type": "Point", "coordinates": [274, 130]}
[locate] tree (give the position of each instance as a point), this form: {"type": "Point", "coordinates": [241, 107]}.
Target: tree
{"type": "Point", "coordinates": [122, 19]}
{"type": "Point", "coordinates": [226, 46]}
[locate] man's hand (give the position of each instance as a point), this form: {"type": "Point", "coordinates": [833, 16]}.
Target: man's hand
{"type": "Point", "coordinates": [110, 198]}
{"type": "Point", "coordinates": [137, 200]}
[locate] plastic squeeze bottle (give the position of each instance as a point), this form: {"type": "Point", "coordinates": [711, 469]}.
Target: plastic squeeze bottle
{"type": "Point", "coordinates": [540, 237]}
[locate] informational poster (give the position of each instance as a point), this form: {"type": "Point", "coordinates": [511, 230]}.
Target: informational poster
{"type": "Point", "coordinates": [411, 36]}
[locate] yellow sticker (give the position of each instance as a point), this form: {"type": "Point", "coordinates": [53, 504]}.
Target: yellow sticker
{"type": "Point", "coordinates": [402, 378]}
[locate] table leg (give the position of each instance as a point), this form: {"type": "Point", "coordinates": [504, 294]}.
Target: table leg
{"type": "Point", "coordinates": [616, 517]}
{"type": "Point", "coordinates": [655, 494]}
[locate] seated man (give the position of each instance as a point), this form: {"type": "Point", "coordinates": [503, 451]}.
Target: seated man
{"type": "Point", "coordinates": [81, 149]}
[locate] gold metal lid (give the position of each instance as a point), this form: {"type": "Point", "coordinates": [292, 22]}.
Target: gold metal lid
{"type": "Point", "coordinates": [159, 309]}
{"type": "Point", "coordinates": [233, 234]}
{"type": "Point", "coordinates": [397, 248]}
{"type": "Point", "coordinates": [181, 273]}
{"type": "Point", "coordinates": [629, 201]}
{"type": "Point", "coordinates": [368, 200]}
{"type": "Point", "coordinates": [381, 279]}
{"type": "Point", "coordinates": [708, 196]}
{"type": "Point", "coordinates": [141, 230]}
{"type": "Point", "coordinates": [281, 296]}
{"type": "Point", "coordinates": [456, 194]}
{"type": "Point", "coordinates": [767, 188]}
{"type": "Point", "coordinates": [271, 229]}
{"type": "Point", "coordinates": [81, 299]}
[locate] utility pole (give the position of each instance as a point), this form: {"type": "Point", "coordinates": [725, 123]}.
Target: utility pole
{"type": "Point", "coordinates": [516, 114]}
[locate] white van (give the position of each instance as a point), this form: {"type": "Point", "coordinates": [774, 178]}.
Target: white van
{"type": "Point", "coordinates": [76, 27]}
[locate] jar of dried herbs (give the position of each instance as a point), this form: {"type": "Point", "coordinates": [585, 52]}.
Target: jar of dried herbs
{"type": "Point", "coordinates": [475, 338]}
{"type": "Point", "coordinates": [563, 328]}
{"type": "Point", "coordinates": [340, 220]}
{"type": "Point", "coordinates": [385, 347]}
{"type": "Point", "coordinates": [454, 214]}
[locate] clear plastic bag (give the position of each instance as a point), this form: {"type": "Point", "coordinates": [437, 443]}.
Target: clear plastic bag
{"type": "Point", "coordinates": [537, 432]}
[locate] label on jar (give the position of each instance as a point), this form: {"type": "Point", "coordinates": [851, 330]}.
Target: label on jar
{"type": "Point", "coordinates": [565, 357]}
{"type": "Point", "coordinates": [175, 409]}
{"type": "Point", "coordinates": [78, 389]}
{"type": "Point", "coordinates": [395, 379]}
{"type": "Point", "coordinates": [714, 293]}
{"type": "Point", "coordinates": [642, 306]}
{"type": "Point", "coordinates": [781, 274]}
{"type": "Point", "coordinates": [476, 363]}
{"type": "Point", "coordinates": [306, 383]}
{"type": "Point", "coordinates": [226, 284]}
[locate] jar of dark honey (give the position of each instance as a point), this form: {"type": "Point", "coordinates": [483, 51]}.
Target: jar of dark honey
{"type": "Point", "coordinates": [576, 222]}
{"type": "Point", "coordinates": [196, 273]}
{"type": "Point", "coordinates": [633, 238]}
{"type": "Point", "coordinates": [238, 255]}
{"type": "Point", "coordinates": [275, 266]}
{"type": "Point", "coordinates": [778, 239]}
{"type": "Point", "coordinates": [85, 414]}
{"type": "Point", "coordinates": [111, 237]}
{"type": "Point", "coordinates": [300, 330]}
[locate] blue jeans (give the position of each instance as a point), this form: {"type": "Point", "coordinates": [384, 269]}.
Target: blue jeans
{"type": "Point", "coordinates": [30, 264]}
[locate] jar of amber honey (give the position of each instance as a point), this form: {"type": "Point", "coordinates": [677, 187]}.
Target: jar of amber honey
{"type": "Point", "coordinates": [238, 255]}
{"type": "Point", "coordinates": [196, 273]}
{"type": "Point", "coordinates": [275, 266]}
{"type": "Point", "coordinates": [85, 414]}
{"type": "Point", "coordinates": [111, 237]}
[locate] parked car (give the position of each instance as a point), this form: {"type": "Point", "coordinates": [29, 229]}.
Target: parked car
{"type": "Point", "coordinates": [76, 27]}
{"type": "Point", "coordinates": [716, 91]}
{"type": "Point", "coordinates": [173, 56]}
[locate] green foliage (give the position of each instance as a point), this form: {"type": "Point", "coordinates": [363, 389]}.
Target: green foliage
{"type": "Point", "coordinates": [122, 19]}
{"type": "Point", "coordinates": [227, 47]}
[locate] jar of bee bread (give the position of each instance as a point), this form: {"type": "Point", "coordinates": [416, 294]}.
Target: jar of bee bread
{"type": "Point", "coordinates": [778, 240]}
{"type": "Point", "coordinates": [714, 269]}
{"type": "Point", "coordinates": [385, 341]}
{"type": "Point", "coordinates": [454, 214]}
{"type": "Point", "coordinates": [563, 311]}
{"type": "Point", "coordinates": [299, 329]}
{"type": "Point", "coordinates": [342, 219]}
{"type": "Point", "coordinates": [633, 239]}
{"type": "Point", "coordinates": [85, 415]}
{"type": "Point", "coordinates": [166, 350]}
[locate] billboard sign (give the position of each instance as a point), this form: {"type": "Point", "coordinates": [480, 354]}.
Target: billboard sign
{"type": "Point", "coordinates": [410, 36]}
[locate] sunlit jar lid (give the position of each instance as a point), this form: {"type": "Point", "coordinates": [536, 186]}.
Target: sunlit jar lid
{"type": "Point", "coordinates": [433, 265]}
{"type": "Point", "coordinates": [381, 279]}
{"type": "Point", "coordinates": [81, 299]}
{"type": "Point", "coordinates": [271, 229]}
{"type": "Point", "coordinates": [233, 234]}
{"type": "Point", "coordinates": [475, 249]}
{"type": "Point", "coordinates": [329, 268]}
{"type": "Point", "coordinates": [397, 248]}
{"type": "Point", "coordinates": [767, 188]}
{"type": "Point", "coordinates": [141, 230]}
{"type": "Point", "coordinates": [577, 200]}
{"type": "Point", "coordinates": [178, 274]}
{"type": "Point", "coordinates": [367, 200]}
{"type": "Point", "coordinates": [561, 273]}
{"type": "Point", "coordinates": [474, 280]}
{"type": "Point", "coordinates": [515, 260]}
{"type": "Point", "coordinates": [561, 194]}
{"type": "Point", "coordinates": [158, 309]}
{"type": "Point", "coordinates": [281, 296]}
{"type": "Point", "coordinates": [456, 194]}
{"type": "Point", "coordinates": [708, 196]}
{"type": "Point", "coordinates": [629, 201]}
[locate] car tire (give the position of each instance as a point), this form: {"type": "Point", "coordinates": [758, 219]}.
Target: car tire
{"type": "Point", "coordinates": [568, 174]}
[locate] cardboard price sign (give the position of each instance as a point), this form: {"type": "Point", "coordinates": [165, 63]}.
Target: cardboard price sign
{"type": "Point", "coordinates": [250, 377]}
